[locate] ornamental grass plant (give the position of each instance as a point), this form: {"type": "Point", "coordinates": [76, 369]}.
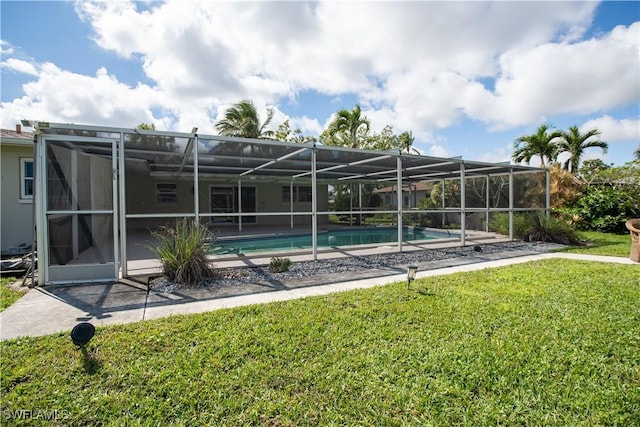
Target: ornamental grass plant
{"type": "Point", "coordinates": [183, 250]}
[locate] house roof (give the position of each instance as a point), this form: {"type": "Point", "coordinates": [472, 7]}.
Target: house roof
{"type": "Point", "coordinates": [418, 186]}
{"type": "Point", "coordinates": [16, 136]}
{"type": "Point", "coordinates": [172, 154]}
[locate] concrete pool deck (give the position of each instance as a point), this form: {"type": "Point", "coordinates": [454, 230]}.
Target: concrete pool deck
{"type": "Point", "coordinates": [55, 309]}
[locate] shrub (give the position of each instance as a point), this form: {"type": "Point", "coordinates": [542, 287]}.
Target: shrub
{"type": "Point", "coordinates": [182, 250]}
{"type": "Point", "coordinates": [279, 265]}
{"type": "Point", "coordinates": [605, 208]}
{"type": "Point", "coordinates": [545, 228]}
{"type": "Point", "coordinates": [536, 226]}
{"type": "Point", "coordinates": [500, 224]}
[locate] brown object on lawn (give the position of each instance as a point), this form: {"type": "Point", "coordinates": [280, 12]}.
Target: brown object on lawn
{"type": "Point", "coordinates": [634, 228]}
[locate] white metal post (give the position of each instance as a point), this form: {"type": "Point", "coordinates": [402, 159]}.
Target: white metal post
{"type": "Point", "coordinates": [239, 206]}
{"type": "Point", "coordinates": [314, 206]}
{"type": "Point", "coordinates": [196, 186]}
{"type": "Point", "coordinates": [360, 201]}
{"type": "Point", "coordinates": [548, 192]}
{"type": "Point", "coordinates": [122, 210]}
{"type": "Point", "coordinates": [41, 211]}
{"type": "Point", "coordinates": [487, 202]}
{"type": "Point", "coordinates": [291, 201]}
{"type": "Point", "coordinates": [444, 212]}
{"type": "Point", "coordinates": [399, 195]}
{"type": "Point", "coordinates": [114, 206]}
{"type": "Point", "coordinates": [511, 203]}
{"type": "Point", "coordinates": [463, 203]}
{"type": "Point", "coordinates": [74, 203]}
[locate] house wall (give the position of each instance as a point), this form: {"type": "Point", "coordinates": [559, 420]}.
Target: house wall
{"type": "Point", "coordinates": [16, 215]}
{"type": "Point", "coordinates": [411, 200]}
{"type": "Point", "coordinates": [269, 199]}
{"type": "Point", "coordinates": [141, 199]}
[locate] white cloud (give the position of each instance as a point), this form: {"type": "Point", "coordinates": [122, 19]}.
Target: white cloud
{"type": "Point", "coordinates": [268, 50]}
{"type": "Point", "coordinates": [499, 155]}
{"type": "Point", "coordinates": [308, 126]}
{"type": "Point", "coordinates": [614, 130]}
{"type": "Point", "coordinates": [438, 151]}
{"type": "Point", "coordinates": [59, 95]}
{"type": "Point", "coordinates": [552, 78]}
{"type": "Point", "coordinates": [20, 66]}
{"type": "Point", "coordinates": [419, 66]}
{"type": "Point", "coordinates": [5, 48]}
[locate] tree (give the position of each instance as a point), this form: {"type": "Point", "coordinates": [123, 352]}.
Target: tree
{"type": "Point", "coordinates": [637, 153]}
{"type": "Point", "coordinates": [146, 126]}
{"type": "Point", "coordinates": [406, 140]}
{"type": "Point", "coordinates": [385, 140]}
{"type": "Point", "coordinates": [242, 120]}
{"type": "Point", "coordinates": [284, 133]}
{"type": "Point", "coordinates": [590, 169]}
{"type": "Point", "coordinates": [574, 142]}
{"type": "Point", "coordinates": [540, 144]}
{"type": "Point", "coordinates": [347, 129]}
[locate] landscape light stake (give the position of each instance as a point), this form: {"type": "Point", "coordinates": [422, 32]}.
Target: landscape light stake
{"type": "Point", "coordinates": [82, 333]}
{"type": "Point", "coordinates": [411, 273]}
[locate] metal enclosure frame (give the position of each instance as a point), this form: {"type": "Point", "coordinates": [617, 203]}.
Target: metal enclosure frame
{"type": "Point", "coordinates": [239, 160]}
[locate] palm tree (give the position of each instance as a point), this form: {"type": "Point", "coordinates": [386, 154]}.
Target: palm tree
{"type": "Point", "coordinates": [242, 120]}
{"type": "Point", "coordinates": [540, 144]}
{"type": "Point", "coordinates": [406, 140]}
{"type": "Point", "coordinates": [574, 143]}
{"type": "Point", "coordinates": [348, 128]}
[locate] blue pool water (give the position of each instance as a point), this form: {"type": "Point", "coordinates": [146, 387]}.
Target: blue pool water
{"type": "Point", "coordinates": [325, 239]}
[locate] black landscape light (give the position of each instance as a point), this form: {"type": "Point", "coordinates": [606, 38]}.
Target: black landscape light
{"type": "Point", "coordinates": [82, 333]}
{"type": "Point", "coordinates": [411, 273]}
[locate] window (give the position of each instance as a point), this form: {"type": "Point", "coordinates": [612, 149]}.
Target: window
{"type": "Point", "coordinates": [286, 194]}
{"type": "Point", "coordinates": [300, 194]}
{"type": "Point", "coordinates": [26, 179]}
{"type": "Point", "coordinates": [166, 194]}
{"type": "Point", "coordinates": [304, 194]}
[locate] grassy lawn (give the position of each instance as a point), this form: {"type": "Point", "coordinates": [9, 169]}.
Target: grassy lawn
{"type": "Point", "coordinates": [546, 343]}
{"type": "Point", "coordinates": [604, 244]}
{"type": "Point", "coordinates": [9, 295]}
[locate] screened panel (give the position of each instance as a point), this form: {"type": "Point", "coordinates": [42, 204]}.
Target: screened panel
{"type": "Point", "coordinates": [476, 192]}
{"type": "Point", "coordinates": [80, 239]}
{"type": "Point", "coordinates": [529, 191]}
{"type": "Point", "coordinates": [79, 176]}
{"type": "Point", "coordinates": [499, 191]}
{"type": "Point", "coordinates": [476, 221]}
{"type": "Point", "coordinates": [159, 174]}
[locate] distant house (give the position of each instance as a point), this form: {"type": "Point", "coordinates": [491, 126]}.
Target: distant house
{"type": "Point", "coordinates": [412, 194]}
{"type": "Point", "coordinates": [17, 187]}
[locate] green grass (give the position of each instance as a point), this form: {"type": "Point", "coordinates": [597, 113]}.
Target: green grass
{"type": "Point", "coordinates": [555, 342]}
{"type": "Point", "coordinates": [603, 244]}
{"type": "Point", "coordinates": [9, 295]}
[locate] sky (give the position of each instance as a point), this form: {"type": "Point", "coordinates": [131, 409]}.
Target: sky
{"type": "Point", "coordinates": [466, 78]}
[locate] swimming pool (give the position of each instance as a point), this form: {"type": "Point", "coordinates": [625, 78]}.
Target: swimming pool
{"type": "Point", "coordinates": [325, 240]}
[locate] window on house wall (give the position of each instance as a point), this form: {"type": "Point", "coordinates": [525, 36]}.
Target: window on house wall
{"type": "Point", "coordinates": [304, 194]}
{"type": "Point", "coordinates": [26, 179]}
{"type": "Point", "coordinates": [166, 194]}
{"type": "Point", "coordinates": [300, 194]}
{"type": "Point", "coordinates": [286, 194]}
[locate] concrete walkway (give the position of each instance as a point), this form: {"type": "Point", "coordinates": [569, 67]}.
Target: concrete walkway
{"type": "Point", "coordinates": [54, 309]}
